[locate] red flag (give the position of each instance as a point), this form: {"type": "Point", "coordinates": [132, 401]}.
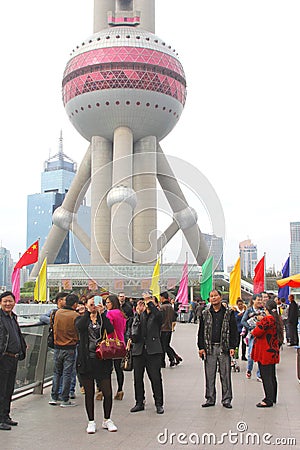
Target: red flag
{"type": "Point", "coordinates": [259, 276]}
{"type": "Point", "coordinates": [29, 257]}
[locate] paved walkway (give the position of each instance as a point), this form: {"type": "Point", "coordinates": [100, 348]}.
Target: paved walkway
{"type": "Point", "coordinates": [42, 426]}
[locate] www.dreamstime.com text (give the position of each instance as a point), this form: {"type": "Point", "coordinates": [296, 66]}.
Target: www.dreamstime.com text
{"type": "Point", "coordinates": [239, 437]}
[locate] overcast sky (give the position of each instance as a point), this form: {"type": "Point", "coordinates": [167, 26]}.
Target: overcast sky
{"type": "Point", "coordinates": [240, 125]}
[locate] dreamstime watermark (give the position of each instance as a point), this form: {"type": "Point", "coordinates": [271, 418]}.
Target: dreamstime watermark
{"type": "Point", "coordinates": [239, 437]}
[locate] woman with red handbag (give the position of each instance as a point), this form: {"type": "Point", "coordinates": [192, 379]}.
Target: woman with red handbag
{"type": "Point", "coordinates": [118, 320]}
{"type": "Point", "coordinates": [92, 324]}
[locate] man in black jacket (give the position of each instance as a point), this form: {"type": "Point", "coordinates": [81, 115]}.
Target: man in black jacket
{"type": "Point", "coordinates": [293, 321]}
{"type": "Point", "coordinates": [147, 352]}
{"type": "Point", "coordinates": [217, 340]}
{"type": "Point", "coordinates": [12, 350]}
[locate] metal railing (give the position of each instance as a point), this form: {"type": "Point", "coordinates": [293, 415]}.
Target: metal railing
{"type": "Point", "coordinates": [37, 368]}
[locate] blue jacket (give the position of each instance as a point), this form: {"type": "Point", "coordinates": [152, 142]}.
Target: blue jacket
{"type": "Point", "coordinates": [248, 314]}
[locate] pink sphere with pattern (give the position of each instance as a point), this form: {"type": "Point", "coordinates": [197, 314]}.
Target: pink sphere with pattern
{"type": "Point", "coordinates": [124, 76]}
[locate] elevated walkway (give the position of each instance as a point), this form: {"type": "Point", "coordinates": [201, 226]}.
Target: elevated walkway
{"type": "Point", "coordinates": [42, 427]}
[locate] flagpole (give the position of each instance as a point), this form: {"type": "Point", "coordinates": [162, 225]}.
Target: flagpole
{"type": "Point", "coordinates": [265, 282]}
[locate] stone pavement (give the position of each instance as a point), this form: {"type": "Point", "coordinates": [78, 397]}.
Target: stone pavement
{"type": "Point", "coordinates": [42, 426]}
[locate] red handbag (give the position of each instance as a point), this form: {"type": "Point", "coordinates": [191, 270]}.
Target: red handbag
{"type": "Point", "coordinates": [110, 348]}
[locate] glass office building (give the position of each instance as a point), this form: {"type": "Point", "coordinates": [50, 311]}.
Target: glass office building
{"type": "Point", "coordinates": [59, 172]}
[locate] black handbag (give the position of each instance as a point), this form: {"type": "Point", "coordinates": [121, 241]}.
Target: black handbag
{"type": "Point", "coordinates": [127, 362]}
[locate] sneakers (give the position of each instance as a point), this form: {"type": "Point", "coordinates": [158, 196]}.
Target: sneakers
{"type": "Point", "coordinates": [248, 374]}
{"type": "Point", "coordinates": [52, 401]}
{"type": "Point", "coordinates": [91, 428]}
{"type": "Point", "coordinates": [109, 425]}
{"type": "Point", "coordinates": [259, 379]}
{"type": "Point", "coordinates": [67, 404]}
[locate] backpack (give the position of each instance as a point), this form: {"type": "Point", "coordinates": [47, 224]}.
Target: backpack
{"type": "Point", "coordinates": [51, 331]}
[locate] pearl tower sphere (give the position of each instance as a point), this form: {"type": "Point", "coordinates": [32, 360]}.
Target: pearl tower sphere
{"type": "Point", "coordinates": [124, 77]}
{"type": "Point", "coordinates": [124, 90]}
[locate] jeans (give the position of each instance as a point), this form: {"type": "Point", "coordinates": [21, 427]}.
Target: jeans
{"type": "Point", "coordinates": [250, 360]}
{"type": "Point", "coordinates": [63, 366]}
{"type": "Point", "coordinates": [73, 378]}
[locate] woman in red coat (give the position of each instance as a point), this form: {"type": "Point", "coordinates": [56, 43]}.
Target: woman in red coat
{"type": "Point", "coordinates": [268, 335]}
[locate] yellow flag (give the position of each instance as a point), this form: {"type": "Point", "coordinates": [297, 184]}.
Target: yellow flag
{"type": "Point", "coordinates": [40, 287]}
{"type": "Point", "coordinates": [155, 280]}
{"type": "Point", "coordinates": [235, 283]}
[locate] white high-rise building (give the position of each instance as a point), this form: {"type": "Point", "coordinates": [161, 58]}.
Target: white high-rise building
{"type": "Point", "coordinates": [248, 255]}
{"type": "Point", "coordinates": [295, 248]}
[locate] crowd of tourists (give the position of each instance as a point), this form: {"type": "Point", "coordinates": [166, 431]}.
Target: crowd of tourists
{"type": "Point", "coordinates": [144, 327]}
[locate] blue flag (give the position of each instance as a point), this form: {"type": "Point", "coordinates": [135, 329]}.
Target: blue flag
{"type": "Point", "coordinates": [284, 291]}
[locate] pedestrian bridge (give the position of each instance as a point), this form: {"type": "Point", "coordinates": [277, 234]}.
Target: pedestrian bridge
{"type": "Point", "coordinates": [184, 425]}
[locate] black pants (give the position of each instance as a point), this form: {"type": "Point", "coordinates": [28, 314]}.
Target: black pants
{"type": "Point", "coordinates": [152, 364]}
{"type": "Point", "coordinates": [244, 347]}
{"type": "Point", "coordinates": [165, 338]}
{"type": "Point", "coordinates": [268, 376]}
{"type": "Point", "coordinates": [8, 371]}
{"type": "Point", "coordinates": [101, 373]}
{"type": "Point", "coordinates": [119, 373]}
{"type": "Point", "coordinates": [293, 332]}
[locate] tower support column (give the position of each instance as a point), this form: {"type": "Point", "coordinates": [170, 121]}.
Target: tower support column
{"type": "Point", "coordinates": [145, 215]}
{"type": "Point", "coordinates": [101, 170]}
{"type": "Point", "coordinates": [121, 198]}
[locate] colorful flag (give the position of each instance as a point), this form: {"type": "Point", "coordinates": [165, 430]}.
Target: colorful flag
{"type": "Point", "coordinates": [182, 294]}
{"type": "Point", "coordinates": [235, 283]}
{"type": "Point", "coordinates": [259, 277]}
{"type": "Point", "coordinates": [30, 256]}
{"type": "Point", "coordinates": [155, 280]}
{"type": "Point", "coordinates": [40, 288]}
{"type": "Point", "coordinates": [15, 281]}
{"type": "Point", "coordinates": [285, 290]}
{"type": "Point", "coordinates": [206, 279]}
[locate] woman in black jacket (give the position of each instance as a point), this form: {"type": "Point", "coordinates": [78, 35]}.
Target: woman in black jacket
{"type": "Point", "coordinates": [91, 325]}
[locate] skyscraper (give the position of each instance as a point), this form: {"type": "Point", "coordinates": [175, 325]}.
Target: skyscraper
{"type": "Point", "coordinates": [59, 172]}
{"type": "Point", "coordinates": [295, 248]}
{"type": "Point", "coordinates": [6, 267]}
{"type": "Point", "coordinates": [248, 255]}
{"type": "Point", "coordinates": [215, 247]}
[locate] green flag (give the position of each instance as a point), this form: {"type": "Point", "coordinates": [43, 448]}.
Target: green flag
{"type": "Point", "coordinates": [206, 279]}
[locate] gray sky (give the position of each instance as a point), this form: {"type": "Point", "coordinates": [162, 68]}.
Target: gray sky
{"type": "Point", "coordinates": [240, 125]}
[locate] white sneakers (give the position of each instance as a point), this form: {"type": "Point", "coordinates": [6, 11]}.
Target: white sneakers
{"type": "Point", "coordinates": [109, 425]}
{"type": "Point", "coordinates": [106, 424]}
{"type": "Point", "coordinates": [91, 428]}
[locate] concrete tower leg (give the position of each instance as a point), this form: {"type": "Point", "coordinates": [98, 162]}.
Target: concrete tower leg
{"type": "Point", "coordinates": [145, 215]}
{"type": "Point", "coordinates": [101, 170]}
{"type": "Point", "coordinates": [121, 198]}
{"type": "Point", "coordinates": [101, 7]}
{"type": "Point", "coordinates": [63, 216]}
{"type": "Point", "coordinates": [183, 214]}
{"type": "Point", "coordinates": [147, 9]}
